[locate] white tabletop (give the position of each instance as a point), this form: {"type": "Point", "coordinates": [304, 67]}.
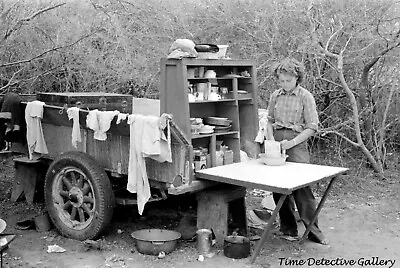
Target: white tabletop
{"type": "Point", "coordinates": [281, 179]}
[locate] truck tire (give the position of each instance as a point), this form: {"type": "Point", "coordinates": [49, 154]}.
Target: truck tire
{"type": "Point", "coordinates": [78, 196]}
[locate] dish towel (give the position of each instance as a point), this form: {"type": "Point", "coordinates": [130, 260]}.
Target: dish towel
{"type": "Point", "coordinates": [137, 175]}
{"type": "Point", "coordinates": [34, 131]}
{"type": "Point", "coordinates": [147, 139]}
{"type": "Point", "coordinates": [73, 113]}
{"type": "Point", "coordinates": [121, 117]}
{"type": "Point", "coordinates": [100, 122]}
{"type": "Point", "coordinates": [262, 131]}
{"type": "Point", "coordinates": [157, 145]}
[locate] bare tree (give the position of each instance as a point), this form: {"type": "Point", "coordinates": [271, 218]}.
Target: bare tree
{"type": "Point", "coordinates": [342, 37]}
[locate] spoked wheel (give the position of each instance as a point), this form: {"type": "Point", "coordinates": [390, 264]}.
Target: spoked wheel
{"type": "Point", "coordinates": [78, 195]}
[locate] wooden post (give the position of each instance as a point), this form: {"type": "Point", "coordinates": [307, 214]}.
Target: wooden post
{"type": "Point", "coordinates": [213, 210]}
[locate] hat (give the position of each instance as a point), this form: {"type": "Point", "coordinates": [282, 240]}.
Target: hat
{"type": "Point", "coordinates": [3, 225]}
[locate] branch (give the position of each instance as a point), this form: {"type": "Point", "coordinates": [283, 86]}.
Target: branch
{"type": "Point", "coordinates": [19, 23]}
{"type": "Point", "coordinates": [382, 129]}
{"type": "Point", "coordinates": [9, 84]}
{"type": "Point", "coordinates": [345, 46]}
{"type": "Point", "coordinates": [7, 11]}
{"type": "Point", "coordinates": [329, 81]}
{"type": "Point", "coordinates": [369, 65]}
{"type": "Point", "coordinates": [333, 35]}
{"type": "Point", "coordinates": [43, 53]}
{"type": "Point", "coordinates": [342, 136]}
{"type": "Point", "coordinates": [338, 126]}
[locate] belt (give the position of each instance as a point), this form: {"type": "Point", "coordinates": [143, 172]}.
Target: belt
{"type": "Point", "coordinates": [285, 128]}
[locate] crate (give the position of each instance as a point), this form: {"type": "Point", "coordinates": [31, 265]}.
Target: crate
{"type": "Point", "coordinates": [89, 100]}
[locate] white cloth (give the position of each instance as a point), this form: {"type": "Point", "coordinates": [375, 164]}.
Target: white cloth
{"type": "Point", "coordinates": [146, 140]}
{"type": "Point", "coordinates": [73, 113]}
{"type": "Point", "coordinates": [138, 181]}
{"type": "Point", "coordinates": [262, 131]}
{"type": "Point", "coordinates": [100, 122]}
{"type": "Point", "coordinates": [121, 117]}
{"type": "Point", "coordinates": [156, 145]}
{"type": "Point", "coordinates": [34, 131]}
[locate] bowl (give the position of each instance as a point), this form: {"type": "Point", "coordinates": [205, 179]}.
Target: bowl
{"type": "Point", "coordinates": [279, 161]}
{"type": "Point", "coordinates": [3, 225]}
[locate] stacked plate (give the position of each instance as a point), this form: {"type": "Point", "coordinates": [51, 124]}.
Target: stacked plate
{"type": "Point", "coordinates": [221, 124]}
{"type": "Point", "coordinates": [206, 129]}
{"type": "Point", "coordinates": [217, 121]}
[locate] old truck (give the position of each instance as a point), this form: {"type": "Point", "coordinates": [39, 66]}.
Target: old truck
{"type": "Point", "coordinates": [83, 184]}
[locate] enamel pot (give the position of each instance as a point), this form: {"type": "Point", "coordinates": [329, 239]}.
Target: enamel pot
{"type": "Point", "coordinates": [236, 247]}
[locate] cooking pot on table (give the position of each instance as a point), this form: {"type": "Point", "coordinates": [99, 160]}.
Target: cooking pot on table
{"type": "Point", "coordinates": [154, 241]}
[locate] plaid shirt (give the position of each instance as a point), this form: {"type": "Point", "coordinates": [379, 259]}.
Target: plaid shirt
{"type": "Point", "coordinates": [295, 110]}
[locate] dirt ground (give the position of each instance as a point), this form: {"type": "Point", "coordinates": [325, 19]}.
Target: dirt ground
{"type": "Point", "coordinates": [361, 219]}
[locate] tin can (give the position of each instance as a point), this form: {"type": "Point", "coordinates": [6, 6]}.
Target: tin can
{"type": "Point", "coordinates": [204, 241]}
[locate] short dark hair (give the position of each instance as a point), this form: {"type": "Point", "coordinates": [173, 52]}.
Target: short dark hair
{"type": "Point", "coordinates": [289, 66]}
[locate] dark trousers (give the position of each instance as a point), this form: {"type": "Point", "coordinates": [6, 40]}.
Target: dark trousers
{"type": "Point", "coordinates": [304, 198]}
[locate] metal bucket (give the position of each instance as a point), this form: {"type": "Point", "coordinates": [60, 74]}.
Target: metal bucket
{"type": "Point", "coordinates": [204, 241]}
{"type": "Point", "coordinates": [42, 223]}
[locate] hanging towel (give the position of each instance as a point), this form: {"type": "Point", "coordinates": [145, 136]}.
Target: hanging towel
{"type": "Point", "coordinates": [262, 131]}
{"type": "Point", "coordinates": [137, 175]}
{"type": "Point", "coordinates": [34, 131]}
{"type": "Point", "coordinates": [73, 113]}
{"type": "Point", "coordinates": [156, 145]}
{"type": "Point", "coordinates": [100, 122]}
{"type": "Point", "coordinates": [147, 139]}
{"type": "Point", "coordinates": [121, 117]}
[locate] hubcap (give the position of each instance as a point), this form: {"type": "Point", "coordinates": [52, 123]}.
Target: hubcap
{"type": "Point", "coordinates": [74, 198]}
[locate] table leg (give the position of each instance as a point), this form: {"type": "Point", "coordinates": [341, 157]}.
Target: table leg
{"type": "Point", "coordinates": [267, 229]}
{"type": "Point", "coordinates": [319, 207]}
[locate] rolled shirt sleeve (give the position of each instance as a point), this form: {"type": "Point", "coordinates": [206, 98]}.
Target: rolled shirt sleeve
{"type": "Point", "coordinates": [310, 112]}
{"type": "Point", "coordinates": [271, 107]}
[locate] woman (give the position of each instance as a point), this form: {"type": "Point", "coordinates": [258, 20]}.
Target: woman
{"type": "Point", "coordinates": [293, 119]}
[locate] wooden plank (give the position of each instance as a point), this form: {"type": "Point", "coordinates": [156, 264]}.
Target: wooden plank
{"type": "Point", "coordinates": [90, 100]}
{"type": "Point", "coordinates": [213, 207]}
{"type": "Point", "coordinates": [194, 186]}
{"type": "Point", "coordinates": [212, 213]}
{"type": "Point", "coordinates": [58, 139]}
{"type": "Point", "coordinates": [248, 118]}
{"type": "Point", "coordinates": [166, 172]}
{"type": "Point", "coordinates": [146, 106]}
{"type": "Point", "coordinates": [111, 154]}
{"type": "Point", "coordinates": [281, 179]}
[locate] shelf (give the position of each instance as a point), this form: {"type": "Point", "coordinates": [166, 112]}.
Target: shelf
{"type": "Point", "coordinates": [204, 79]}
{"type": "Point", "coordinates": [199, 136]}
{"type": "Point", "coordinates": [239, 107]}
{"type": "Point", "coordinates": [215, 62]}
{"type": "Point", "coordinates": [245, 99]}
{"type": "Point", "coordinates": [210, 101]}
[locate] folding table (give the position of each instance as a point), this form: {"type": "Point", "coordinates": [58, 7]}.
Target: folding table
{"type": "Point", "coordinates": [280, 179]}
